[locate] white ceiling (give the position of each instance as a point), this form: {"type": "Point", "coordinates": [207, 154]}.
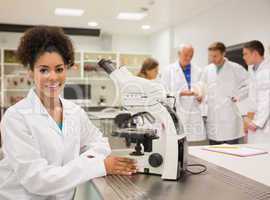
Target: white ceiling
{"type": "Point", "coordinates": [161, 14]}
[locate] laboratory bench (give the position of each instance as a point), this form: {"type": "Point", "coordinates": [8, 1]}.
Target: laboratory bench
{"type": "Point", "coordinates": [227, 178]}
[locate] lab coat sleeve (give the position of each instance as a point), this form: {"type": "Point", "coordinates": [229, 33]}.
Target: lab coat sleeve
{"type": "Point", "coordinates": [32, 170]}
{"type": "Point", "coordinates": [262, 113]}
{"type": "Point", "coordinates": [92, 141]}
{"type": "Point", "coordinates": [202, 83]}
{"type": "Point", "coordinates": [197, 76]}
{"type": "Point", "coordinates": [164, 79]}
{"type": "Point", "coordinates": [202, 89]}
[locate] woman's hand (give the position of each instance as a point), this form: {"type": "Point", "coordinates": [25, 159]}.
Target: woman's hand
{"type": "Point", "coordinates": [120, 165]}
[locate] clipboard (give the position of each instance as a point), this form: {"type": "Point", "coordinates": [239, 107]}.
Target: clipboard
{"type": "Point", "coordinates": [239, 151]}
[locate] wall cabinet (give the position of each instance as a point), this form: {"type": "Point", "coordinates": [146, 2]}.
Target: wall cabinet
{"type": "Point", "coordinates": [15, 82]}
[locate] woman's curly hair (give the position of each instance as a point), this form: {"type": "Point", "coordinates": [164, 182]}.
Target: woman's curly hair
{"type": "Point", "coordinates": [41, 39]}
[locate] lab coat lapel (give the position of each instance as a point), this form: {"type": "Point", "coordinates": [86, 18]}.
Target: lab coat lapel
{"type": "Point", "coordinates": [225, 68]}
{"type": "Point", "coordinates": [180, 77]}
{"type": "Point", "coordinates": [195, 73]}
{"type": "Point", "coordinates": [264, 64]}
{"type": "Point", "coordinates": [36, 107]}
{"type": "Point", "coordinates": [192, 75]}
{"type": "Point", "coordinates": [223, 80]}
{"type": "Point", "coordinates": [69, 111]}
{"type": "Point", "coordinates": [222, 71]}
{"type": "Point", "coordinates": [213, 74]}
{"type": "Point", "coordinates": [226, 80]}
{"type": "Point", "coordinates": [39, 109]}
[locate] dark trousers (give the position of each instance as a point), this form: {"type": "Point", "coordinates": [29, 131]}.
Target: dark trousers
{"type": "Point", "coordinates": [235, 141]}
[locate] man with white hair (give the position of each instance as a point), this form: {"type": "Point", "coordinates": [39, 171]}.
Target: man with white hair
{"type": "Point", "coordinates": [180, 80]}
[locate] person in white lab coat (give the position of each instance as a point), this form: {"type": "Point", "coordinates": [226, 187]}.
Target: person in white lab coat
{"type": "Point", "coordinates": [49, 144]}
{"type": "Point", "coordinates": [224, 83]}
{"type": "Point", "coordinates": [180, 80]}
{"type": "Point", "coordinates": [258, 124]}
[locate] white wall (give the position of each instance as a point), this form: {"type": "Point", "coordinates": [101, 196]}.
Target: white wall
{"type": "Point", "coordinates": [87, 43]}
{"type": "Point", "coordinates": [232, 22]}
{"type": "Point", "coordinates": [9, 40]}
{"type": "Point", "coordinates": [161, 47]}
{"type": "Point", "coordinates": [132, 44]}
{"type": "Point", "coordinates": [117, 43]}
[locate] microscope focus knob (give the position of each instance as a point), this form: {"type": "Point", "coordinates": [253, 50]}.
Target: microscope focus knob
{"type": "Point", "coordinates": [155, 160]}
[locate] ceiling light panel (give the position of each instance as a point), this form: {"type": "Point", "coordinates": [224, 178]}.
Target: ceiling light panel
{"type": "Point", "coordinates": [135, 16]}
{"type": "Point", "coordinates": [68, 12]}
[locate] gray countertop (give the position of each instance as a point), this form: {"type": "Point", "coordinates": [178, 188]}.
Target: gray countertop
{"type": "Point", "coordinates": [216, 183]}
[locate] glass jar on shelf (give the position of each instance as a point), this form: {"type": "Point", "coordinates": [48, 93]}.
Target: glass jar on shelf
{"type": "Point", "coordinates": [74, 71]}
{"type": "Point", "coordinates": [10, 56]}
{"type": "Point", "coordinates": [12, 97]}
{"type": "Point", "coordinates": [17, 82]}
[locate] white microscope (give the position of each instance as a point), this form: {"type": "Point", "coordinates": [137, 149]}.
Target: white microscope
{"type": "Point", "coordinates": [165, 152]}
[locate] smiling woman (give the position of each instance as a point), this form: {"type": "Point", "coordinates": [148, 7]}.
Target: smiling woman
{"type": "Point", "coordinates": [48, 52]}
{"type": "Point", "coordinates": [49, 144]}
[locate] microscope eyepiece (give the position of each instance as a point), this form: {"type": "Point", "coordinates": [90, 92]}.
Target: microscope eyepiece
{"type": "Point", "coordinates": [107, 65]}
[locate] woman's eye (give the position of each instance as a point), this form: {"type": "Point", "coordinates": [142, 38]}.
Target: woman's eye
{"type": "Point", "coordinates": [59, 70]}
{"type": "Point", "coordinates": [44, 71]}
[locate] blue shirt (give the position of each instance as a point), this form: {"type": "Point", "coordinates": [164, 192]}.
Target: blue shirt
{"type": "Point", "coordinates": [187, 73]}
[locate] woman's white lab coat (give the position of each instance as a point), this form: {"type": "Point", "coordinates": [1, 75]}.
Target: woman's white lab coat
{"type": "Point", "coordinates": [224, 120]}
{"type": "Point", "coordinates": [43, 162]}
{"type": "Point", "coordinates": [187, 107]}
{"type": "Point", "coordinates": [259, 94]}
